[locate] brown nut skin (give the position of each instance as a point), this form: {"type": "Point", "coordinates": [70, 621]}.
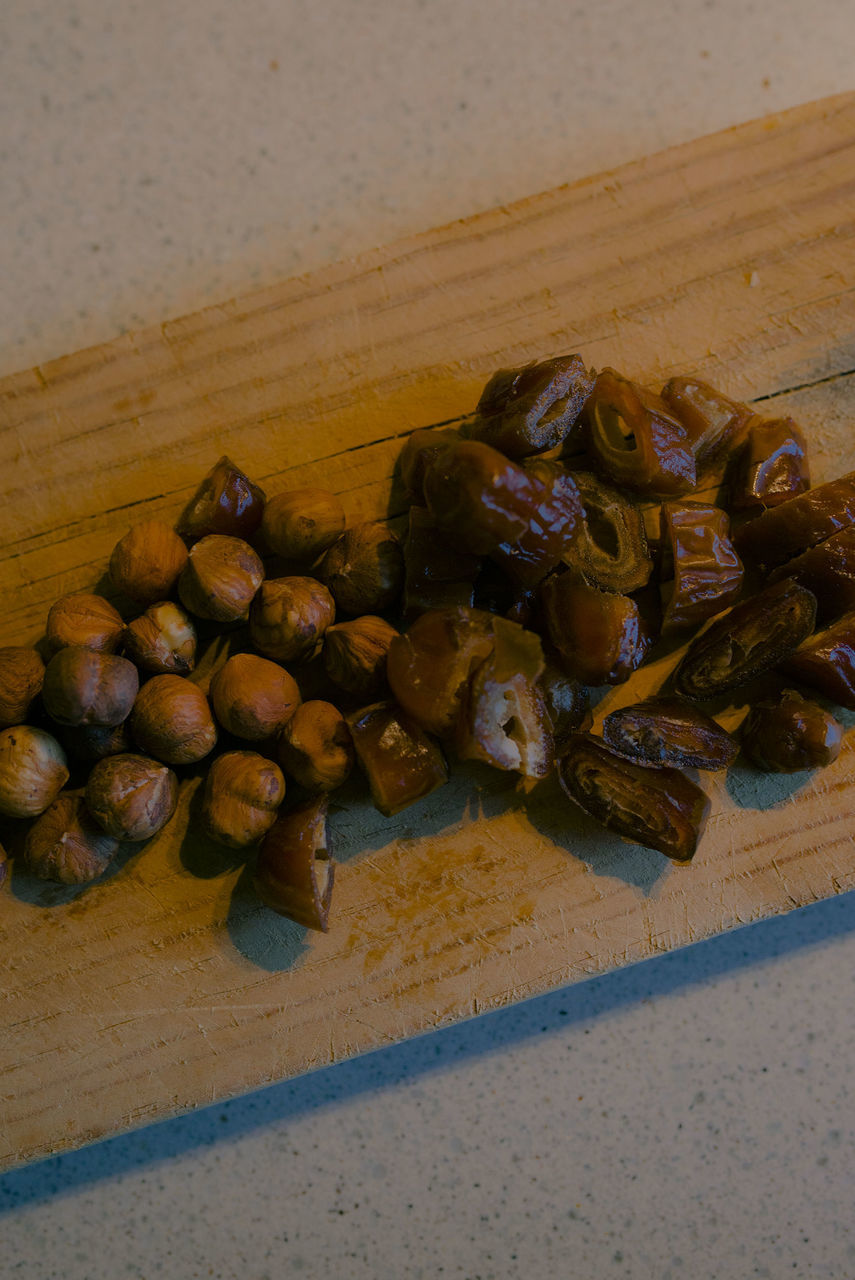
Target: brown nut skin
{"type": "Point", "coordinates": [243, 792]}
{"type": "Point", "coordinates": [364, 569]}
{"type": "Point", "coordinates": [658, 808]}
{"type": "Point", "coordinates": [315, 747]}
{"type": "Point", "coordinates": [67, 844]}
{"type": "Point", "coordinates": [146, 562]}
{"type": "Point", "coordinates": [753, 637]}
{"type": "Point", "coordinates": [665, 730]}
{"type": "Point", "coordinates": [295, 871]}
{"type": "Point", "coordinates": [83, 618]}
{"type": "Point", "coordinates": [162, 640]}
{"type": "Point", "coordinates": [21, 674]}
{"type": "Point", "coordinates": [635, 440]}
{"type": "Point", "coordinates": [355, 654]}
{"type": "Point", "coordinates": [529, 410]}
{"type": "Point", "coordinates": [220, 578]}
{"type": "Point", "coordinates": [302, 524]}
{"type": "Point", "coordinates": [707, 571]}
{"type": "Point", "coordinates": [790, 733]}
{"type": "Point", "coordinates": [826, 661]}
{"type": "Point", "coordinates": [252, 697]}
{"type": "Point", "coordinates": [172, 721]}
{"type": "Point", "coordinates": [33, 771]}
{"type": "Point", "coordinates": [430, 666]}
{"type": "Point", "coordinates": [772, 465]}
{"type": "Point", "coordinates": [715, 425]}
{"type": "Point", "coordinates": [289, 617]}
{"type": "Point", "coordinates": [402, 763]}
{"type": "Point", "coordinates": [226, 502]}
{"type": "Point", "coordinates": [600, 636]}
{"type": "Point", "coordinates": [85, 686]}
{"type": "Point", "coordinates": [131, 796]}
{"type": "Point", "coordinates": [780, 533]}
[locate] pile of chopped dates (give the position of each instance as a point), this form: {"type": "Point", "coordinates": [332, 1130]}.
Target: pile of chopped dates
{"type": "Point", "coordinates": [555, 541]}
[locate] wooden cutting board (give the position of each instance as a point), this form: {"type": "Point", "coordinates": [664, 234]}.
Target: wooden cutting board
{"type": "Point", "coordinates": [166, 986]}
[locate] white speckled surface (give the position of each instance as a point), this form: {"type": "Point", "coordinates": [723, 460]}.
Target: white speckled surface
{"type": "Point", "coordinates": [691, 1116]}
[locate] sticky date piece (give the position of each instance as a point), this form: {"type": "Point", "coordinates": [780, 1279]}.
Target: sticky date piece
{"type": "Point", "coordinates": [669, 731]}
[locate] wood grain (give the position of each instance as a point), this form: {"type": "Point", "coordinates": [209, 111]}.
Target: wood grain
{"type": "Point", "coordinates": [165, 986]}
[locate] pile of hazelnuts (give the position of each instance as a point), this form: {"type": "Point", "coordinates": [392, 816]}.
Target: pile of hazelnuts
{"type": "Point", "coordinates": [113, 695]}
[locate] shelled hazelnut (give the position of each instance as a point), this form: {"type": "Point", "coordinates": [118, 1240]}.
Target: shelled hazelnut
{"type": "Point", "coordinates": [146, 562]}
{"type": "Point", "coordinates": [220, 578]}
{"type": "Point", "coordinates": [226, 501]}
{"type": "Point", "coordinates": [33, 771]}
{"type": "Point", "coordinates": [355, 654]}
{"type": "Point", "coordinates": [83, 618]}
{"type": "Point", "coordinates": [172, 720]}
{"type": "Point", "coordinates": [315, 747]}
{"type": "Point", "coordinates": [21, 674]}
{"type": "Point", "coordinates": [162, 640]}
{"type": "Point", "coordinates": [253, 697]}
{"type": "Point", "coordinates": [84, 686]}
{"type": "Point", "coordinates": [289, 617]}
{"type": "Point", "coordinates": [131, 797]}
{"type": "Point", "coordinates": [243, 792]}
{"type": "Point", "coordinates": [302, 523]}
{"type": "Point", "coordinates": [364, 569]}
{"type": "Point", "coordinates": [67, 844]}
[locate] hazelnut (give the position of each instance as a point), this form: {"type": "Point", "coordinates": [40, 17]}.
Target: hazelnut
{"type": "Point", "coordinates": [33, 771]}
{"type": "Point", "coordinates": [162, 640]}
{"type": "Point", "coordinates": [146, 562]}
{"type": "Point", "coordinates": [253, 697]}
{"type": "Point", "coordinates": [83, 686]}
{"type": "Point", "coordinates": [84, 619]}
{"type": "Point", "coordinates": [242, 794]}
{"type": "Point", "coordinates": [303, 523]}
{"type": "Point", "coordinates": [172, 721]}
{"type": "Point", "coordinates": [289, 617]}
{"type": "Point", "coordinates": [220, 578]}
{"type": "Point", "coordinates": [131, 797]}
{"type": "Point", "coordinates": [67, 844]}
{"type": "Point", "coordinates": [226, 501]}
{"type": "Point", "coordinates": [21, 674]}
{"type": "Point", "coordinates": [355, 654]}
{"type": "Point", "coordinates": [364, 569]}
{"type": "Point", "coordinates": [315, 747]}
{"type": "Point", "coordinates": [295, 871]}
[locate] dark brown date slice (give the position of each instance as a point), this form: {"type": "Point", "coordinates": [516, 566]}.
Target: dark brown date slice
{"type": "Point", "coordinates": [669, 731]}
{"type": "Point", "coordinates": [226, 502]}
{"type": "Point", "coordinates": [707, 571]}
{"type": "Point", "coordinates": [609, 546]}
{"type": "Point", "coordinates": [752, 638]}
{"type": "Point", "coordinates": [532, 409]}
{"type": "Point", "coordinates": [790, 734]}
{"type": "Point", "coordinates": [635, 440]}
{"type": "Point", "coordinates": [295, 871]}
{"type": "Point", "coordinates": [828, 570]}
{"type": "Point", "coordinates": [772, 466]}
{"type": "Point", "coordinates": [826, 661]}
{"type": "Point", "coordinates": [786, 531]}
{"type": "Point", "coordinates": [714, 423]}
{"type": "Point", "coordinates": [401, 762]}
{"type": "Point", "coordinates": [658, 808]}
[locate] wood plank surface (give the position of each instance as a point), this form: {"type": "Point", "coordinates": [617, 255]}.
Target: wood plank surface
{"type": "Point", "coordinates": [166, 986]}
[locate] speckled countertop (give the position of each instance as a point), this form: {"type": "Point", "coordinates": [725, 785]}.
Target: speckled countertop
{"type": "Point", "coordinates": [689, 1116]}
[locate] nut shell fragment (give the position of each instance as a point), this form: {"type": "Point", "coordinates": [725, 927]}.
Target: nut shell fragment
{"type": "Point", "coordinates": [67, 844]}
